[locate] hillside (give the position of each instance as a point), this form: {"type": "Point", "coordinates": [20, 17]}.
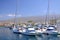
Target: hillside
{"type": "Point", "coordinates": [40, 19]}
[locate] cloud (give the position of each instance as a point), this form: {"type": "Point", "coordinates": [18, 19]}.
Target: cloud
{"type": "Point", "coordinates": [11, 15]}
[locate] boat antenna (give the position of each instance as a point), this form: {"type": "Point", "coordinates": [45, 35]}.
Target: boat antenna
{"type": "Point", "coordinates": [46, 20]}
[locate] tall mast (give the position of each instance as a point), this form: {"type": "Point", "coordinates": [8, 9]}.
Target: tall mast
{"type": "Point", "coordinates": [46, 20]}
{"type": "Point", "coordinates": [15, 20]}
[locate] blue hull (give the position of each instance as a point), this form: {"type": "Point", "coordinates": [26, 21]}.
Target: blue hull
{"type": "Point", "coordinates": [31, 34]}
{"type": "Point", "coordinates": [17, 32]}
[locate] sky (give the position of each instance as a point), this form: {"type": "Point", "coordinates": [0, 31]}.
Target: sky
{"type": "Point", "coordinates": [27, 8]}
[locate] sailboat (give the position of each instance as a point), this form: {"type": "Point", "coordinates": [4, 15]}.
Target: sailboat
{"type": "Point", "coordinates": [16, 29]}
{"type": "Point", "coordinates": [22, 30]}
{"type": "Point", "coordinates": [51, 29]}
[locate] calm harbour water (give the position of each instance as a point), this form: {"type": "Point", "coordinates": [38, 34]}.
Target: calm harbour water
{"type": "Point", "coordinates": [7, 34]}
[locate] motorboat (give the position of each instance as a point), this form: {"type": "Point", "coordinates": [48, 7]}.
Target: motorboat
{"type": "Point", "coordinates": [51, 30]}
{"type": "Point", "coordinates": [39, 29]}
{"type": "Point", "coordinates": [15, 30]}
{"type": "Point", "coordinates": [29, 31]}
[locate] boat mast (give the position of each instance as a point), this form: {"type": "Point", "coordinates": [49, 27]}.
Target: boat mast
{"type": "Point", "coordinates": [46, 20]}
{"type": "Point", "coordinates": [15, 20]}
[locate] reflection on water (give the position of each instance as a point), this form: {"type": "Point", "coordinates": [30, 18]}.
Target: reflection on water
{"type": "Point", "coordinates": [7, 34]}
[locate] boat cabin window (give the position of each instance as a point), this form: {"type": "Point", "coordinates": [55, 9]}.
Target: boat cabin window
{"type": "Point", "coordinates": [50, 29]}
{"type": "Point", "coordinates": [45, 26]}
{"type": "Point", "coordinates": [36, 28]}
{"type": "Point", "coordinates": [51, 26]}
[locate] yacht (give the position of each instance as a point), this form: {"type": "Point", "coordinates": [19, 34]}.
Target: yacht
{"type": "Point", "coordinates": [18, 29]}
{"type": "Point", "coordinates": [40, 29]}
{"type": "Point", "coordinates": [51, 30]}
{"type": "Point", "coordinates": [24, 30]}
{"type": "Point", "coordinates": [28, 31]}
{"type": "Point", "coordinates": [15, 29]}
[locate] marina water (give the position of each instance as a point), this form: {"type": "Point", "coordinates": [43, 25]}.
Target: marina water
{"type": "Point", "coordinates": [7, 34]}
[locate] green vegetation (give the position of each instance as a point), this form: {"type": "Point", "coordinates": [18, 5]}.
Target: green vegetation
{"type": "Point", "coordinates": [30, 21]}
